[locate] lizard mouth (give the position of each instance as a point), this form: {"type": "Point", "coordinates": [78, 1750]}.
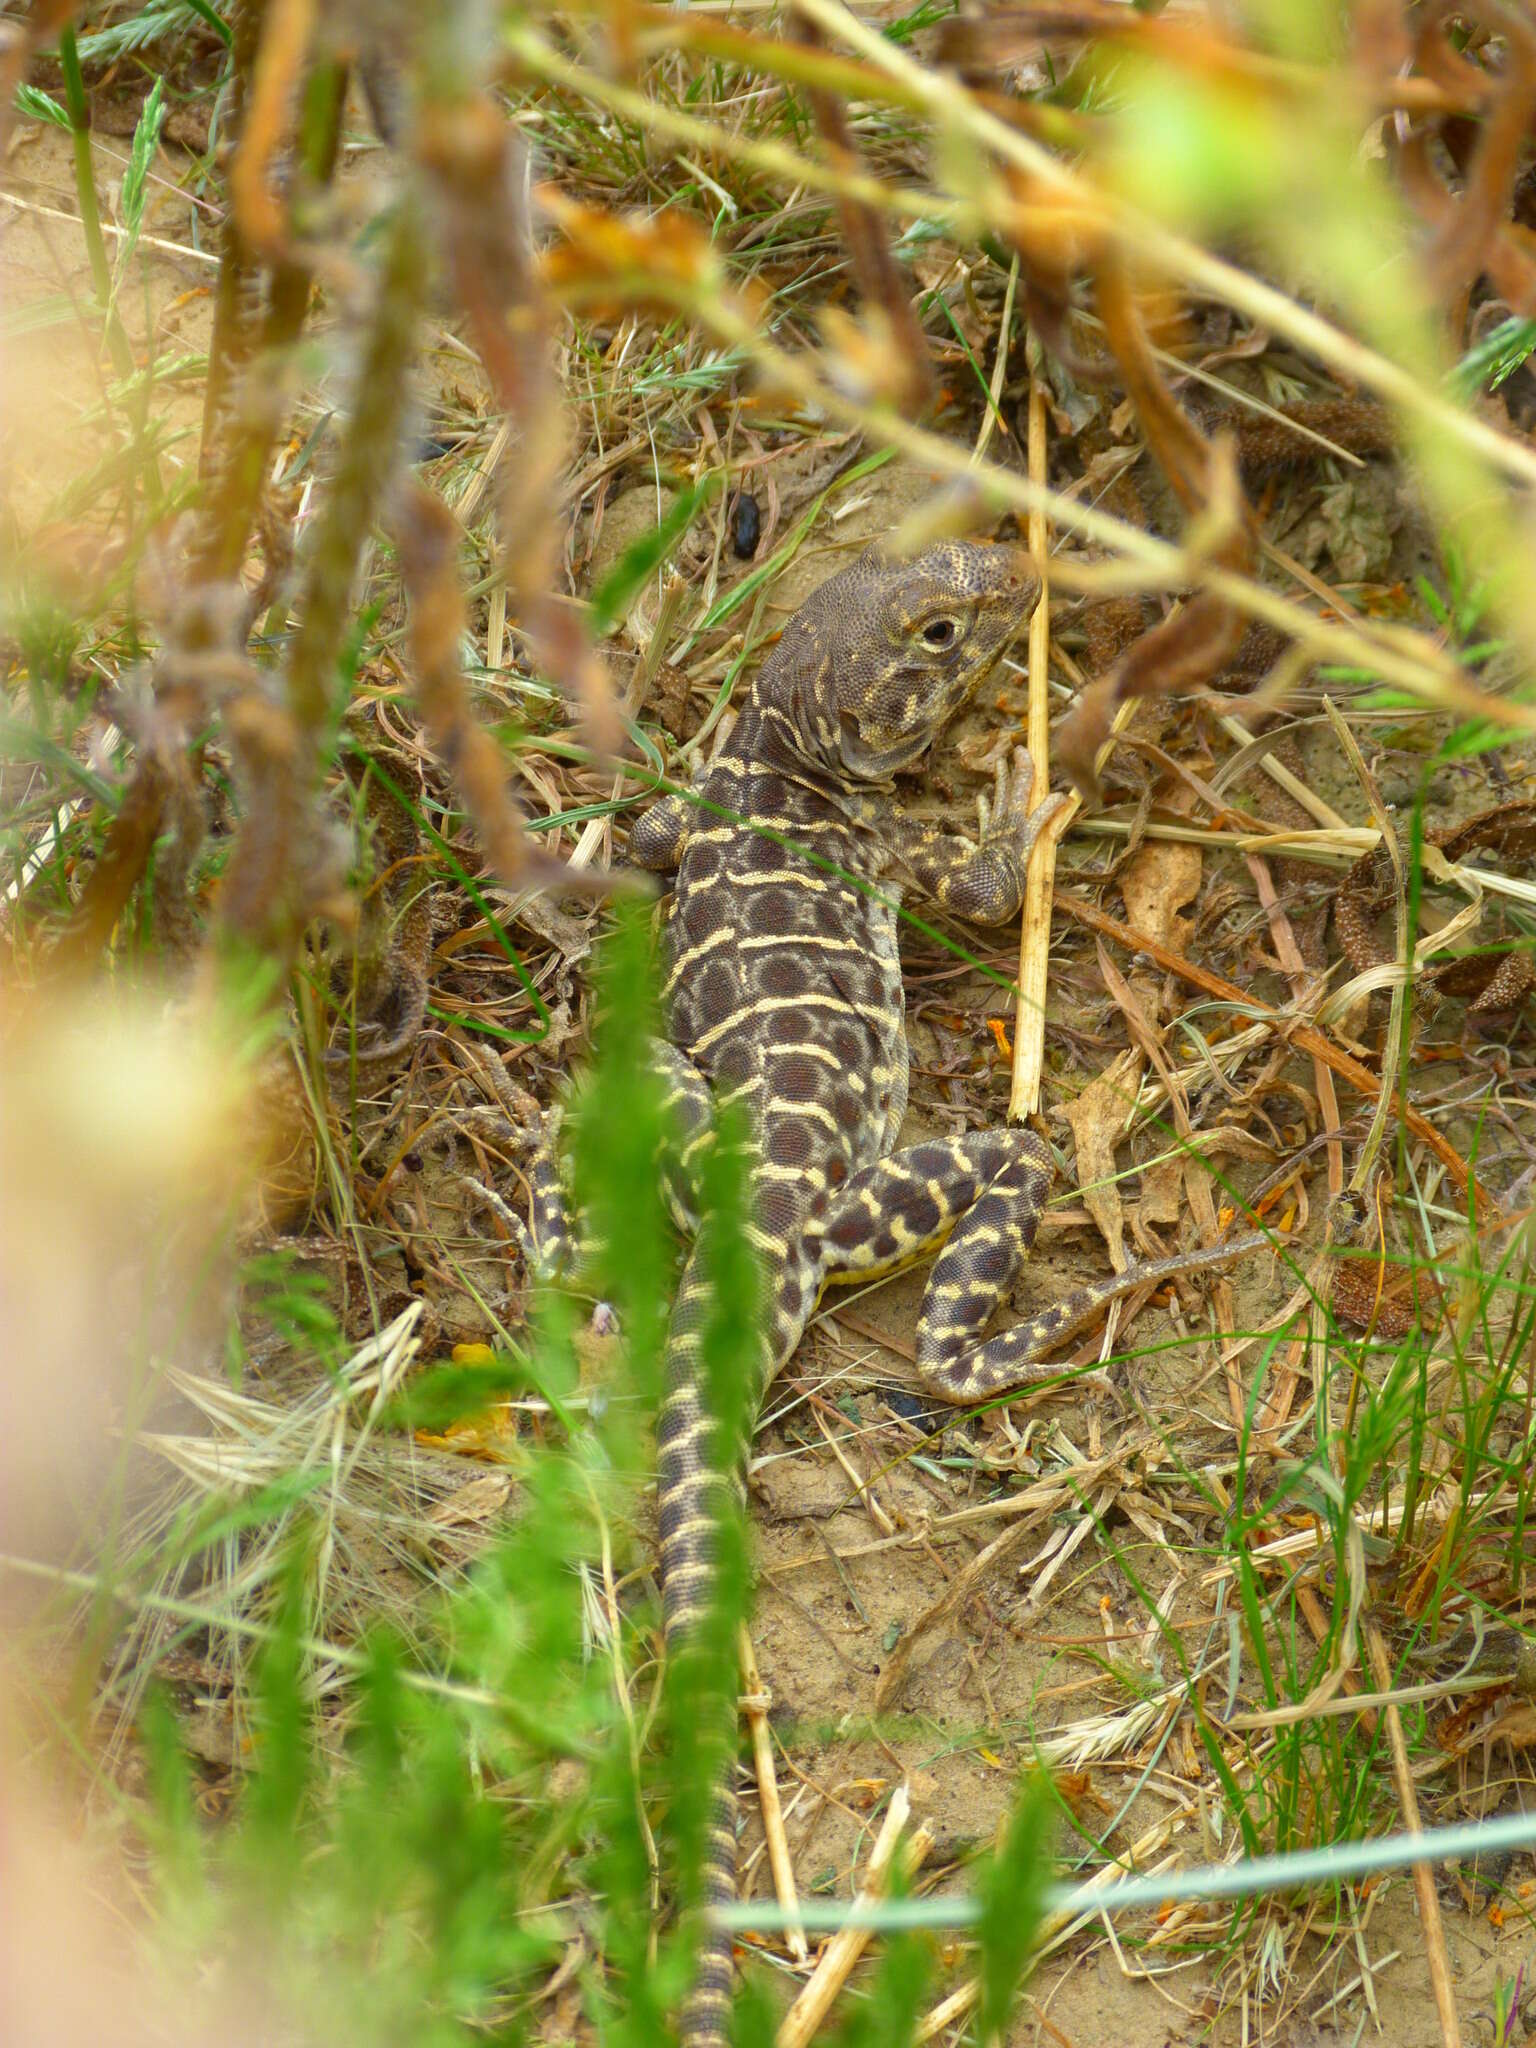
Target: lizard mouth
{"type": "Point", "coordinates": [878, 764]}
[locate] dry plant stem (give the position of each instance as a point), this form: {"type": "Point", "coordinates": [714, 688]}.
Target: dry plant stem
{"type": "Point", "coordinates": [1391, 1052]}
{"type": "Point", "coordinates": [863, 1489]}
{"type": "Point", "coordinates": [427, 538]}
{"type": "Point", "coordinates": [989, 418]}
{"type": "Point", "coordinates": [1306, 1037]}
{"type": "Point", "coordinates": [1423, 1873]}
{"type": "Point", "coordinates": [263, 899]}
{"type": "Point", "coordinates": [124, 856]}
{"type": "Point", "coordinates": [948, 2012]}
{"type": "Point", "coordinates": [1040, 882]}
{"type": "Point", "coordinates": [842, 1952]}
{"type": "Point", "coordinates": [755, 1707]}
{"type": "Point", "coordinates": [1146, 241]}
{"type": "Point", "coordinates": [286, 28]}
{"type": "Point", "coordinates": [878, 275]}
{"type": "Point", "coordinates": [234, 296]}
{"type": "Point", "coordinates": [250, 378]}
{"type": "Point", "coordinates": [477, 169]}
{"type": "Point", "coordinates": [1289, 955]}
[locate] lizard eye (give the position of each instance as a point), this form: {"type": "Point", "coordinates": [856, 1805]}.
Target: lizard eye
{"type": "Point", "coordinates": [939, 632]}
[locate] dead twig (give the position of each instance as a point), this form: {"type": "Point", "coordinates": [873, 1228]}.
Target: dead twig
{"type": "Point", "coordinates": [798, 2026]}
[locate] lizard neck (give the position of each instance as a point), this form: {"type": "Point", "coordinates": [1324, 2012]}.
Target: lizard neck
{"type": "Point", "coordinates": [766, 738]}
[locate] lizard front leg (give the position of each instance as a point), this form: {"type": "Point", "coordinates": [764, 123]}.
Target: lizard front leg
{"type": "Point", "coordinates": [982, 880]}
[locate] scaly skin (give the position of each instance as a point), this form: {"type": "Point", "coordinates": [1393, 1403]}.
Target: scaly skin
{"type": "Point", "coordinates": [783, 993]}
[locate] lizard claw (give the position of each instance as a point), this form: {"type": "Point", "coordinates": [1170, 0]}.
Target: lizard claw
{"type": "Point", "coordinates": [1011, 816]}
{"type": "Point", "coordinates": [1000, 815]}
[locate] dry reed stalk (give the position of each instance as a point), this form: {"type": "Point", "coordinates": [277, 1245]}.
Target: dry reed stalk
{"type": "Point", "coordinates": [1040, 882]}
{"type": "Point", "coordinates": [427, 537]}
{"type": "Point", "coordinates": [798, 2026]}
{"type": "Point", "coordinates": [755, 1707]}
{"type": "Point", "coordinates": [1423, 1873]}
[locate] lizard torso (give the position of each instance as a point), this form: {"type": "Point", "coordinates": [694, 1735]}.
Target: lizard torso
{"type": "Point", "coordinates": [784, 987]}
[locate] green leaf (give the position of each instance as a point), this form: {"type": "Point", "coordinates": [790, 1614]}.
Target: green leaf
{"type": "Point", "coordinates": [1477, 736]}
{"type": "Point", "coordinates": [53, 311]}
{"type": "Point", "coordinates": [214, 20]}
{"type": "Point", "coordinates": [105, 45]}
{"type": "Point", "coordinates": [618, 588]}
{"type": "Point", "coordinates": [38, 106]}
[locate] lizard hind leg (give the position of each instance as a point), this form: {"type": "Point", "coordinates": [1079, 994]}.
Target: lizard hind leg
{"type": "Point", "coordinates": [962, 1293]}
{"type": "Point", "coordinates": [984, 1193]}
{"type": "Point", "coordinates": [899, 1208]}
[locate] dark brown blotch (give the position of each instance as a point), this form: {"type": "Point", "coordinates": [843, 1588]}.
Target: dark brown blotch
{"type": "Point", "coordinates": [789, 1142]}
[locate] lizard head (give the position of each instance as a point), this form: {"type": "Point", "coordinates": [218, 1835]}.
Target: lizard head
{"type": "Point", "coordinates": [877, 660]}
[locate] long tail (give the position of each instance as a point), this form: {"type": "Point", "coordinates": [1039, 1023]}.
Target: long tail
{"type": "Point", "coordinates": [700, 1481]}
{"type": "Point", "coordinates": [693, 1478]}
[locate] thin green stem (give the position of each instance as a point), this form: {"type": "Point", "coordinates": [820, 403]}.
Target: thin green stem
{"type": "Point", "coordinates": [85, 191]}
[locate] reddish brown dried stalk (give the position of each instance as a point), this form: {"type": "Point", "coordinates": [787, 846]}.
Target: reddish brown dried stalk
{"type": "Point", "coordinates": [1473, 232]}
{"type": "Point", "coordinates": [285, 37]}
{"type": "Point", "coordinates": [277, 873]}
{"type": "Point", "coordinates": [875, 269]}
{"type": "Point", "coordinates": [1199, 640]}
{"type": "Point", "coordinates": [244, 404]}
{"type": "Point", "coordinates": [477, 170]}
{"type": "Point", "coordinates": [123, 859]}
{"type": "Point", "coordinates": [999, 37]}
{"type": "Point", "coordinates": [426, 536]}
{"type": "Point", "coordinates": [236, 295]}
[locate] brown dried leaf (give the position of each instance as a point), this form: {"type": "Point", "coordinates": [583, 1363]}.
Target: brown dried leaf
{"type": "Point", "coordinates": [1156, 883]}
{"type": "Point", "coordinates": [1098, 1119]}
